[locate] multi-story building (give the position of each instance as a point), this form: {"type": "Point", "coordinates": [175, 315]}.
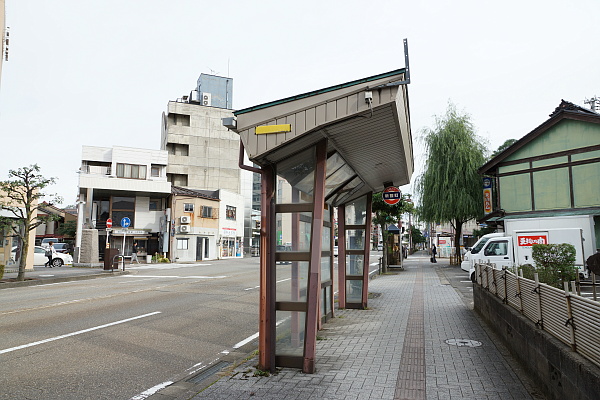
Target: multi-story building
{"type": "Point", "coordinates": [203, 154]}
{"type": "Point", "coordinates": [207, 224]}
{"type": "Point", "coordinates": [122, 182]}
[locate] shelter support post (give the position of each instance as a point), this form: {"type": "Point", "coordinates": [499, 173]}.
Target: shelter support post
{"type": "Point", "coordinates": [342, 257]}
{"type": "Point", "coordinates": [314, 276]}
{"type": "Point", "coordinates": [266, 346]}
{"type": "Point", "coordinates": [367, 248]}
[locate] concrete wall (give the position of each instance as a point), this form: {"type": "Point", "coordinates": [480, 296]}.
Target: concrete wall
{"type": "Point", "coordinates": [559, 372]}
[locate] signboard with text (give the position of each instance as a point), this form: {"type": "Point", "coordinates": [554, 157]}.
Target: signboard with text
{"type": "Point", "coordinates": [487, 195]}
{"type": "Point", "coordinates": [391, 195]}
{"type": "Point", "coordinates": [530, 240]}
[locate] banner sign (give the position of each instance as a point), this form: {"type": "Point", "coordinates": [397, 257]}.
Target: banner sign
{"type": "Point", "coordinates": [530, 240]}
{"type": "Point", "coordinates": [487, 195]}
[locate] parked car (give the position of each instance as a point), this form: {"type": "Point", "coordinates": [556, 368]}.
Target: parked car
{"type": "Point", "coordinates": [380, 247]}
{"type": "Point", "coordinates": [281, 248]}
{"type": "Point", "coordinates": [39, 257]}
{"type": "Point", "coordinates": [63, 247]}
{"type": "Point", "coordinates": [45, 241]}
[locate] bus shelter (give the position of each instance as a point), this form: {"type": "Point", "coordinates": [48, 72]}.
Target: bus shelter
{"type": "Point", "coordinates": [329, 148]}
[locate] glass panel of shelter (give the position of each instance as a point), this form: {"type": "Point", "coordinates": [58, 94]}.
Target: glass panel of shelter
{"type": "Point", "coordinates": [294, 185]}
{"type": "Point", "coordinates": [293, 227]}
{"type": "Point", "coordinates": [355, 233]}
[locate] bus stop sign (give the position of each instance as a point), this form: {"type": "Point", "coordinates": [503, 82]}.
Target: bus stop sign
{"type": "Point", "coordinates": [391, 195]}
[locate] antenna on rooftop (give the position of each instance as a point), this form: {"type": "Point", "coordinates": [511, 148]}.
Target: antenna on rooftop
{"type": "Point", "coordinates": [594, 103]}
{"type": "Point", "coordinates": [213, 72]}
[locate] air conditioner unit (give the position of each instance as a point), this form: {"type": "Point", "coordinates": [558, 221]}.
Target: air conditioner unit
{"type": "Point", "coordinates": [206, 99]}
{"type": "Point", "coordinates": [184, 228]}
{"type": "Point", "coordinates": [185, 219]}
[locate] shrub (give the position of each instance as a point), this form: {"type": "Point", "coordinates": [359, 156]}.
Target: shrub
{"type": "Point", "coordinates": [1, 270]}
{"type": "Point", "coordinates": [555, 263]}
{"type": "Point", "coordinates": [528, 271]}
{"type": "Point", "coordinates": [157, 258]}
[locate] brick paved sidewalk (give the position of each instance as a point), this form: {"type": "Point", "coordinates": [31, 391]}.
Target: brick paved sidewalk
{"type": "Point", "coordinates": [396, 349]}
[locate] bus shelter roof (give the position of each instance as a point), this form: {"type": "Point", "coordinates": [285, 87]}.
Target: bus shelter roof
{"type": "Point", "coordinates": [366, 123]}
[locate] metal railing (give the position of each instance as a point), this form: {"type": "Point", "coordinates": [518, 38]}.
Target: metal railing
{"type": "Point", "coordinates": [573, 319]}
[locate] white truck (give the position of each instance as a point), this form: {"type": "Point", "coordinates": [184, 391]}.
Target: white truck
{"type": "Point", "coordinates": [513, 247]}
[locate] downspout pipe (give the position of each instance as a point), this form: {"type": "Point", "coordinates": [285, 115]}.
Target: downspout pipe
{"type": "Point", "coordinates": [241, 161]}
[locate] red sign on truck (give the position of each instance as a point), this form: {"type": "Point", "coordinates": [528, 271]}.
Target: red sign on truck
{"type": "Point", "coordinates": [530, 240]}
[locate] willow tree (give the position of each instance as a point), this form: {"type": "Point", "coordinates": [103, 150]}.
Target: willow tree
{"type": "Point", "coordinates": [19, 199]}
{"type": "Point", "coordinates": [450, 189]}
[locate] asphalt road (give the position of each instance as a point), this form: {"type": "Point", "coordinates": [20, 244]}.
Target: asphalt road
{"type": "Point", "coordinates": [124, 336]}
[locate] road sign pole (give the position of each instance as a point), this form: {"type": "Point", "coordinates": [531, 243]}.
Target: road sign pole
{"type": "Point", "coordinates": [123, 252]}
{"type": "Point", "coordinates": [125, 222]}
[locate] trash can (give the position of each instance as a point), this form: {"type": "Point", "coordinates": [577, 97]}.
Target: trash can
{"type": "Point", "coordinates": [148, 259]}
{"type": "Point", "coordinates": [109, 255]}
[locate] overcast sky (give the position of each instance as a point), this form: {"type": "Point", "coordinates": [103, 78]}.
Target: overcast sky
{"type": "Point", "coordinates": [100, 72]}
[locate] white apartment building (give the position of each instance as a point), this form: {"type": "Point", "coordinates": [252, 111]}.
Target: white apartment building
{"type": "Point", "coordinates": [122, 182]}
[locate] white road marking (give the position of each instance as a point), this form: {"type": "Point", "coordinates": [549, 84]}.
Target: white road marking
{"type": "Point", "coordinates": [147, 393]}
{"type": "Point", "coordinates": [176, 276]}
{"type": "Point", "coordinates": [251, 338]}
{"type": "Point", "coordinates": [166, 266]}
{"type": "Point", "coordinates": [52, 284]}
{"type": "Point", "coordinates": [24, 346]}
{"type": "Point", "coordinates": [256, 287]}
{"type": "Point", "coordinates": [245, 341]}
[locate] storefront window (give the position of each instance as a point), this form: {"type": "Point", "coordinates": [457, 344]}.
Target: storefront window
{"type": "Point", "coordinates": [228, 247]}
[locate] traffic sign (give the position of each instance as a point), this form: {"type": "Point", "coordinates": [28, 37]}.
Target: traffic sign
{"type": "Point", "coordinates": [125, 222]}
{"type": "Point", "coordinates": [391, 195]}
{"type": "Point", "coordinates": [109, 223]}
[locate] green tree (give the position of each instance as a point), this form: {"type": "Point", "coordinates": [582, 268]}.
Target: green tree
{"type": "Point", "coordinates": [417, 235]}
{"type": "Point", "coordinates": [450, 187]}
{"type": "Point", "coordinates": [20, 196]}
{"type": "Point", "coordinates": [503, 147]}
{"type": "Point", "coordinates": [387, 214]}
{"type": "Point", "coordinates": [68, 229]}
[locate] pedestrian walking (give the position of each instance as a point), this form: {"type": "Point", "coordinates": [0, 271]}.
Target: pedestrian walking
{"type": "Point", "coordinates": [433, 253]}
{"type": "Point", "coordinates": [134, 251]}
{"type": "Point", "coordinates": [50, 253]}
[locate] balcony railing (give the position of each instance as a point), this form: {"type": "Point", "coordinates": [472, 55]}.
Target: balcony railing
{"type": "Point", "coordinates": [96, 170]}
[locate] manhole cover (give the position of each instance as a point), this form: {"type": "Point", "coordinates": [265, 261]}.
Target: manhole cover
{"type": "Point", "coordinates": [463, 342]}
